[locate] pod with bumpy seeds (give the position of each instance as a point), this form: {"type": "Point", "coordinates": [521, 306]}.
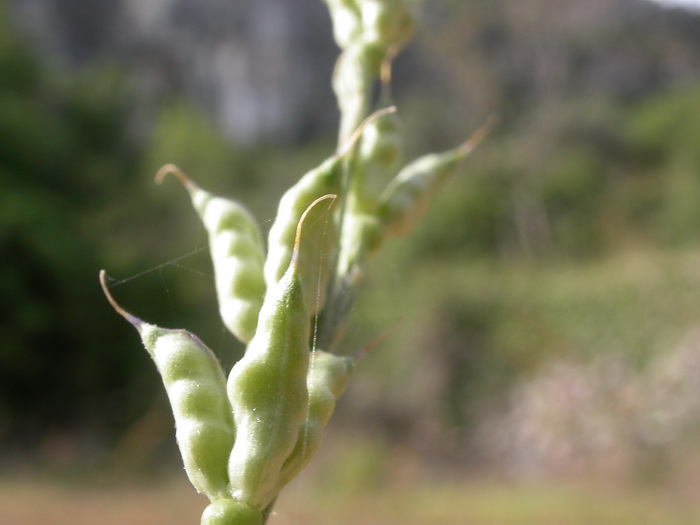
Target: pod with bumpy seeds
{"type": "Point", "coordinates": [326, 381]}
{"type": "Point", "coordinates": [407, 197]}
{"type": "Point", "coordinates": [378, 155]}
{"type": "Point", "coordinates": [237, 254]}
{"type": "Point", "coordinates": [196, 388]}
{"type": "Point", "coordinates": [362, 234]}
{"type": "Point", "coordinates": [267, 387]}
{"type": "Point", "coordinates": [319, 235]}
{"type": "Point", "coordinates": [354, 76]}
{"type": "Point", "coordinates": [377, 159]}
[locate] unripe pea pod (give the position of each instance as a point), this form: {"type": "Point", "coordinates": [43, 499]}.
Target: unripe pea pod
{"type": "Point", "coordinates": [378, 157]}
{"type": "Point", "coordinates": [347, 23]}
{"type": "Point", "coordinates": [405, 200]}
{"type": "Point", "coordinates": [381, 146]}
{"type": "Point", "coordinates": [237, 253]}
{"type": "Point", "coordinates": [362, 234]}
{"type": "Point", "coordinates": [379, 150]}
{"type": "Point", "coordinates": [230, 512]}
{"type": "Point", "coordinates": [267, 387]}
{"type": "Point", "coordinates": [326, 381]}
{"type": "Point", "coordinates": [354, 76]}
{"type": "Point", "coordinates": [196, 388]}
{"type": "Point", "coordinates": [319, 235]}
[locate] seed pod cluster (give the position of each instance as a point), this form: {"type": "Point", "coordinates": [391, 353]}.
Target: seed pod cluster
{"type": "Point", "coordinates": [239, 438]}
{"type": "Point", "coordinates": [377, 158]}
{"type": "Point", "coordinates": [244, 438]}
{"type": "Point", "coordinates": [368, 32]}
{"type": "Point", "coordinates": [404, 200]}
{"type": "Point", "coordinates": [380, 28]}
{"type": "Point", "coordinates": [319, 235]}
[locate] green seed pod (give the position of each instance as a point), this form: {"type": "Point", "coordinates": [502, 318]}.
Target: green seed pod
{"type": "Point", "coordinates": [320, 231]}
{"type": "Point", "coordinates": [387, 22]}
{"type": "Point", "coordinates": [378, 157]}
{"type": "Point", "coordinates": [237, 254]}
{"type": "Point", "coordinates": [230, 512]}
{"type": "Point", "coordinates": [382, 141]}
{"type": "Point", "coordinates": [196, 388]}
{"type": "Point", "coordinates": [407, 197]}
{"type": "Point", "coordinates": [318, 237]}
{"type": "Point", "coordinates": [362, 234]}
{"type": "Point", "coordinates": [267, 387]}
{"type": "Point", "coordinates": [355, 73]}
{"type": "Point", "coordinates": [327, 379]}
{"type": "Point", "coordinates": [347, 23]}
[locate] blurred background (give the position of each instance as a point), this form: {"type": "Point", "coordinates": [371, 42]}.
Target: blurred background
{"type": "Point", "coordinates": [547, 369]}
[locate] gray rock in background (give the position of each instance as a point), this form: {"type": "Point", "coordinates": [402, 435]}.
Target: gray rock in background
{"type": "Point", "coordinates": [262, 67]}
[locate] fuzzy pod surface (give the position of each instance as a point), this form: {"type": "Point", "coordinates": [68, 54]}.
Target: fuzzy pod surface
{"type": "Point", "coordinates": [267, 387]}
{"type": "Point", "coordinates": [379, 154]}
{"type": "Point", "coordinates": [237, 254]}
{"type": "Point", "coordinates": [354, 76]}
{"type": "Point", "coordinates": [407, 197]}
{"type": "Point", "coordinates": [318, 236]}
{"type": "Point", "coordinates": [326, 381]}
{"type": "Point", "coordinates": [196, 387]}
{"type": "Point", "coordinates": [320, 232]}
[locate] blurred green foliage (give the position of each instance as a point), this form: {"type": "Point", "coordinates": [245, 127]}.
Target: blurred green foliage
{"type": "Point", "coordinates": [63, 151]}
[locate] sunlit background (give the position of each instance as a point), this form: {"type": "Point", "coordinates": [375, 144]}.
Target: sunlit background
{"type": "Point", "coordinates": [547, 368]}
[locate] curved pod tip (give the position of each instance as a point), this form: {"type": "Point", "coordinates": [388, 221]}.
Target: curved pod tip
{"type": "Point", "coordinates": [135, 321]}
{"type": "Point", "coordinates": [350, 143]}
{"type": "Point", "coordinates": [173, 169]}
{"type": "Point", "coordinates": [300, 224]}
{"type": "Point", "coordinates": [480, 134]}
